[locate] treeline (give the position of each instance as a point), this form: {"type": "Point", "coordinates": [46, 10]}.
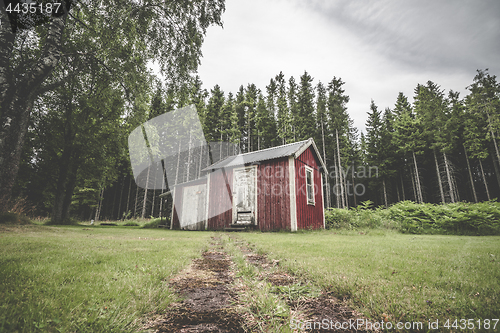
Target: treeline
{"type": "Point", "coordinates": [441, 148]}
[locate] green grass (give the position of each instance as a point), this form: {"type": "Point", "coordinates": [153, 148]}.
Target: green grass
{"type": "Point", "coordinates": [267, 310]}
{"type": "Point", "coordinates": [407, 277]}
{"type": "Point", "coordinates": [88, 279]}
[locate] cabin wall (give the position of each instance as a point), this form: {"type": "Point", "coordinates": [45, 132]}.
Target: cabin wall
{"type": "Point", "coordinates": [220, 200]}
{"type": "Point", "coordinates": [308, 216]}
{"type": "Point", "coordinates": [178, 202]}
{"type": "Point", "coordinates": [273, 195]}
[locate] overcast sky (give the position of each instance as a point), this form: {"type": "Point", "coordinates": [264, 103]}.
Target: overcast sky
{"type": "Point", "coordinates": [378, 48]}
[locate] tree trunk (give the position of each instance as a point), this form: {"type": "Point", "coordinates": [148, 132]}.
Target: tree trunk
{"type": "Point", "coordinates": [118, 216]}
{"type": "Point", "coordinates": [99, 205]}
{"type": "Point", "coordinates": [417, 178]}
{"type": "Point", "coordinates": [439, 177]}
{"type": "Point", "coordinates": [385, 193]}
{"type": "Point", "coordinates": [143, 215]}
{"type": "Point", "coordinates": [493, 137]}
{"type": "Point", "coordinates": [402, 187]}
{"type": "Point", "coordinates": [68, 166]}
{"type": "Point", "coordinates": [189, 156]}
{"type": "Point", "coordinates": [178, 163]}
{"type": "Point", "coordinates": [484, 179]}
{"type": "Point", "coordinates": [201, 159]}
{"type": "Point", "coordinates": [353, 186]}
{"type": "Point", "coordinates": [497, 171]}
{"type": "Point", "coordinates": [128, 196]}
{"type": "Point", "coordinates": [161, 203]}
{"type": "Point", "coordinates": [17, 96]}
{"type": "Point", "coordinates": [336, 187]}
{"type": "Point", "coordinates": [449, 177]}
{"type": "Point", "coordinates": [470, 176]}
{"type": "Point", "coordinates": [114, 204]}
{"type": "Point", "coordinates": [57, 208]}
{"type": "Point", "coordinates": [136, 199]}
{"type": "Point", "coordinates": [328, 202]}
{"type": "Point", "coordinates": [65, 186]}
{"type": "Point", "coordinates": [346, 196]}
{"type": "Point", "coordinates": [70, 190]}
{"type": "Point", "coordinates": [397, 191]}
{"type": "Point", "coordinates": [414, 185]}
{"type": "Point", "coordinates": [341, 182]}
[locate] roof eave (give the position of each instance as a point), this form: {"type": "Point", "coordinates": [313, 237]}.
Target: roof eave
{"type": "Point", "coordinates": [304, 147]}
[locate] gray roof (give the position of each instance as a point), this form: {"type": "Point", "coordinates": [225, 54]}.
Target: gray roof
{"type": "Point", "coordinates": [290, 149]}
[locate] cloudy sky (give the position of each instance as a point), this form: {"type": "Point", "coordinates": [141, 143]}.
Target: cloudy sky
{"type": "Point", "coordinates": [378, 48]}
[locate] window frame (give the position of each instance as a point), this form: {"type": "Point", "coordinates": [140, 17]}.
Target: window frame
{"type": "Point", "coordinates": [310, 187]}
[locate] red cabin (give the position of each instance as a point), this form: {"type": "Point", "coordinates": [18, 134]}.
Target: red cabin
{"type": "Point", "coordinates": [279, 188]}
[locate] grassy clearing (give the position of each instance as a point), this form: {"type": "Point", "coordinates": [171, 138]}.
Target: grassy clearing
{"type": "Point", "coordinates": [88, 279]}
{"type": "Point", "coordinates": [385, 274]}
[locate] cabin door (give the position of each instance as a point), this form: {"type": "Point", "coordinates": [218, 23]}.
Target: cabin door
{"type": "Point", "coordinates": [244, 195]}
{"type": "Point", "coordinates": [193, 207]}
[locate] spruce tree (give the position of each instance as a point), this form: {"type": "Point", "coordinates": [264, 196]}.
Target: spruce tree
{"type": "Point", "coordinates": [305, 118]}
{"type": "Point", "coordinates": [408, 141]}
{"type": "Point", "coordinates": [339, 123]}
{"type": "Point", "coordinates": [283, 121]}
{"type": "Point", "coordinates": [374, 128]}
{"type": "Point", "coordinates": [293, 109]}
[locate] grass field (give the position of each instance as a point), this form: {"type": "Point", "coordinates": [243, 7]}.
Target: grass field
{"type": "Point", "coordinates": [106, 279]}
{"type": "Point", "coordinates": [88, 279]}
{"type": "Point", "coordinates": [399, 277]}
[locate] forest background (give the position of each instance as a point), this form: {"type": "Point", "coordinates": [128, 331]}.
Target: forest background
{"type": "Point", "coordinates": [79, 110]}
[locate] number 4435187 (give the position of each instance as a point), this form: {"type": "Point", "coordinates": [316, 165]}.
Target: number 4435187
{"type": "Point", "coordinates": [33, 7]}
{"type": "Point", "coordinates": [487, 324]}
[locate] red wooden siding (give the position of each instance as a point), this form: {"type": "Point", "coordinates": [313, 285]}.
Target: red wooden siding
{"type": "Point", "coordinates": [178, 195]}
{"type": "Point", "coordinates": [273, 195]}
{"type": "Point", "coordinates": [218, 199]}
{"type": "Point", "coordinates": [308, 216]}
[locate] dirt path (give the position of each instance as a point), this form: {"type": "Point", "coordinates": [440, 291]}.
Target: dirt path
{"type": "Point", "coordinates": [233, 289]}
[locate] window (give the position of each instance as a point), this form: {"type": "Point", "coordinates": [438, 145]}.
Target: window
{"type": "Point", "coordinates": [310, 186]}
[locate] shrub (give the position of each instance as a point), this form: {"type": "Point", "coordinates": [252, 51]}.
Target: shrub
{"type": "Point", "coordinates": [409, 217]}
{"type": "Point", "coordinates": [154, 223]}
{"type": "Point", "coordinates": [459, 218]}
{"type": "Point", "coordinates": [13, 218]}
{"type": "Point", "coordinates": [338, 219]}
{"type": "Point", "coordinates": [131, 224]}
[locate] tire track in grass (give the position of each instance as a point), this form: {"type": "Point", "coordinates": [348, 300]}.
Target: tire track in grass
{"type": "Point", "coordinates": [233, 289]}
{"type": "Point", "coordinates": [208, 297]}
{"type": "Point", "coordinates": [293, 305]}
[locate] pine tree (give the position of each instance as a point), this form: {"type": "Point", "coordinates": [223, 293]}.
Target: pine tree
{"type": "Point", "coordinates": [321, 137]}
{"type": "Point", "coordinates": [430, 107]}
{"type": "Point", "coordinates": [339, 123]}
{"type": "Point", "coordinates": [240, 110]}
{"type": "Point", "coordinates": [374, 148]}
{"type": "Point", "coordinates": [402, 106]}
{"type": "Point", "coordinates": [283, 120]}
{"type": "Point", "coordinates": [293, 109]}
{"type": "Point", "coordinates": [484, 99]}
{"type": "Point", "coordinates": [305, 119]}
{"type": "Point", "coordinates": [212, 124]}
{"type": "Point", "coordinates": [251, 98]}
{"type": "Point", "coordinates": [408, 140]}
{"type": "Point", "coordinates": [265, 125]}
{"type": "Point", "coordinates": [475, 139]}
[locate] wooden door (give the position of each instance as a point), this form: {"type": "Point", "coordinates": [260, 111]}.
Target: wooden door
{"type": "Point", "coordinates": [193, 207]}
{"type": "Point", "coordinates": [244, 194]}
